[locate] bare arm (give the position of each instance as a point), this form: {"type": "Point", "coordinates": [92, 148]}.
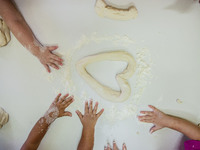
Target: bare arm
{"type": "Point", "coordinates": [36, 135]}
{"type": "Point", "coordinates": [56, 110]}
{"type": "Point", "coordinates": [87, 139]}
{"type": "Point", "coordinates": [161, 120]}
{"type": "Point", "coordinates": [88, 121]}
{"type": "Point", "coordinates": [17, 24]}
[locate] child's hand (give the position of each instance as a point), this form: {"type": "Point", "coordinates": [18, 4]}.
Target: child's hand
{"type": "Point", "coordinates": [57, 108]}
{"type": "Point", "coordinates": [48, 59]}
{"type": "Point", "coordinates": [90, 116]}
{"type": "Point", "coordinates": [108, 147]}
{"type": "Point", "coordinates": [156, 117]}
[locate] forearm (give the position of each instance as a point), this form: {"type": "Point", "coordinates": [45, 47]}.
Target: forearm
{"type": "Point", "coordinates": [25, 36]}
{"type": "Point", "coordinates": [87, 139]}
{"type": "Point", "coordinates": [187, 128]}
{"type": "Point", "coordinates": [36, 135]}
{"type": "Point", "coordinates": [17, 24]}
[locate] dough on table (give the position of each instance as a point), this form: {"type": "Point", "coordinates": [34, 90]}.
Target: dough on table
{"type": "Point", "coordinates": [4, 33]}
{"type": "Point", "coordinates": [105, 91]}
{"type": "Point", "coordinates": [104, 10]}
{"type": "Point", "coordinates": [3, 117]}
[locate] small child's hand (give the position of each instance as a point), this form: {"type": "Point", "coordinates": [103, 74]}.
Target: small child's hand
{"type": "Point", "coordinates": [90, 116]}
{"type": "Point", "coordinates": [108, 147]}
{"type": "Point", "coordinates": [48, 59]}
{"type": "Point", "coordinates": [57, 108]}
{"type": "Point", "coordinates": [156, 117]}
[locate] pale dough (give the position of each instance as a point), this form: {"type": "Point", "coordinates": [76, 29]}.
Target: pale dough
{"type": "Point", "coordinates": [104, 91]}
{"type": "Point", "coordinates": [3, 117]}
{"type": "Point", "coordinates": [4, 33]}
{"type": "Point", "coordinates": [104, 10]}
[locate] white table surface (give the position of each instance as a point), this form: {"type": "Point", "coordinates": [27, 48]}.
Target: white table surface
{"type": "Point", "coordinates": [170, 30]}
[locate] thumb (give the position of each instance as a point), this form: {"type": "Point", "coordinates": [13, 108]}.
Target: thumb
{"type": "Point", "coordinates": [155, 128]}
{"type": "Point", "coordinates": [79, 114]}
{"type": "Point", "coordinates": [52, 48]}
{"type": "Point", "coordinates": [67, 113]}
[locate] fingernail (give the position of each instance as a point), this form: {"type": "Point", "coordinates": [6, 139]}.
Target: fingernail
{"type": "Point", "coordinates": [113, 141]}
{"type": "Point", "coordinates": [108, 145]}
{"type": "Point", "coordinates": [151, 131]}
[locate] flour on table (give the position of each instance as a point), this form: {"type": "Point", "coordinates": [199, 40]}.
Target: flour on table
{"type": "Point", "coordinates": [4, 33]}
{"type": "Point", "coordinates": [104, 91]}
{"type": "Point", "coordinates": [3, 117]}
{"type": "Point", "coordinates": [111, 12]}
{"type": "Point", "coordinates": [66, 79]}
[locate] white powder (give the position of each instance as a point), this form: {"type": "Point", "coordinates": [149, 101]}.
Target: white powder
{"type": "Point", "coordinates": [36, 43]}
{"type": "Point", "coordinates": [64, 79]}
{"type": "Point", "coordinates": [41, 122]}
{"type": "Point", "coordinates": [51, 114]}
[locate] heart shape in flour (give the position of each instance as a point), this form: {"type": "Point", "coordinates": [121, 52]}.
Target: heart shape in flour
{"type": "Point", "coordinates": [121, 78]}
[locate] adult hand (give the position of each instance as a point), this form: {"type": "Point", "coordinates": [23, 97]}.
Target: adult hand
{"type": "Point", "coordinates": [156, 117]}
{"type": "Point", "coordinates": [108, 147]}
{"type": "Point", "coordinates": [57, 108]}
{"type": "Point", "coordinates": [48, 59]}
{"type": "Point", "coordinates": [90, 116]}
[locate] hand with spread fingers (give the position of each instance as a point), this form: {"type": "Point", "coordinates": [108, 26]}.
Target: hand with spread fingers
{"type": "Point", "coordinates": [161, 120]}
{"type": "Point", "coordinates": [48, 59]}
{"type": "Point", "coordinates": [156, 117]}
{"type": "Point", "coordinates": [108, 147]}
{"type": "Point", "coordinates": [56, 110]}
{"type": "Point", "coordinates": [88, 121]}
{"type": "Point", "coordinates": [90, 116]}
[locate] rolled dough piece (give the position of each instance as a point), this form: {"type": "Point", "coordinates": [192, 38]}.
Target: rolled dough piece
{"type": "Point", "coordinates": [104, 10]}
{"type": "Point", "coordinates": [104, 91]}
{"type": "Point", "coordinates": [4, 33]}
{"type": "Point", "coordinates": [3, 117]}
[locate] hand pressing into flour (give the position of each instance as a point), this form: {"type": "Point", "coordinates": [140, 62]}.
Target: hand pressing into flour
{"type": "Point", "coordinates": [48, 59]}
{"type": "Point", "coordinates": [56, 110]}
{"type": "Point", "coordinates": [108, 147]}
{"type": "Point", "coordinates": [88, 121]}
{"type": "Point", "coordinates": [21, 30]}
